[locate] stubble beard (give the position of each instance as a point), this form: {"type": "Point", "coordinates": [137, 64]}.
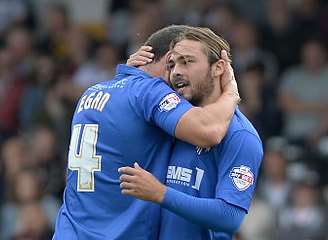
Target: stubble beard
{"type": "Point", "coordinates": [202, 90]}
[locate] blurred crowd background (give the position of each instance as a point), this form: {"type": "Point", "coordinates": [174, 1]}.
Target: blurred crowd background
{"type": "Point", "coordinates": [50, 51]}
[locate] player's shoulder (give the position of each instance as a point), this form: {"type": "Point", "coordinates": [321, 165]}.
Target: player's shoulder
{"type": "Point", "coordinates": [241, 124]}
{"type": "Point", "coordinates": [116, 83]}
{"type": "Point", "coordinates": [135, 75]}
{"type": "Point", "coordinates": [143, 85]}
{"type": "Point", "coordinates": [98, 87]}
{"type": "Point", "coordinates": [142, 80]}
{"type": "Point", "coordinates": [145, 81]}
{"type": "Point", "coordinates": [241, 132]}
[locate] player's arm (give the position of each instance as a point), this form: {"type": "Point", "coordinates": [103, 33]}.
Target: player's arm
{"type": "Point", "coordinates": [213, 214]}
{"type": "Point", "coordinates": [206, 126]}
{"type": "Point", "coordinates": [238, 166]}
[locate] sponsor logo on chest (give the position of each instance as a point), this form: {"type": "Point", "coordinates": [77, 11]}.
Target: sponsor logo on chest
{"type": "Point", "coordinates": [183, 176]}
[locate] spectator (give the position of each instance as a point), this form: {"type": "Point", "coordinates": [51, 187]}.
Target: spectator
{"type": "Point", "coordinates": [101, 69]}
{"type": "Point", "coordinates": [307, 18]}
{"type": "Point", "coordinates": [12, 11]}
{"type": "Point", "coordinates": [142, 27]}
{"type": "Point", "coordinates": [259, 223]}
{"type": "Point", "coordinates": [280, 35]}
{"type": "Point", "coordinates": [253, 12]}
{"type": "Point", "coordinates": [26, 190]}
{"type": "Point", "coordinates": [275, 186]}
{"type": "Point", "coordinates": [45, 160]}
{"type": "Point", "coordinates": [259, 100]}
{"type": "Point", "coordinates": [304, 96]}
{"type": "Point", "coordinates": [222, 19]}
{"type": "Point", "coordinates": [34, 96]}
{"type": "Point", "coordinates": [11, 89]}
{"type": "Point", "coordinates": [304, 218]}
{"type": "Point", "coordinates": [14, 156]}
{"type": "Point", "coordinates": [55, 23]}
{"type": "Point", "coordinates": [78, 46]}
{"type": "Point", "coordinates": [32, 224]}
{"type": "Point", "coordinates": [247, 50]}
{"type": "Point", "coordinates": [20, 45]}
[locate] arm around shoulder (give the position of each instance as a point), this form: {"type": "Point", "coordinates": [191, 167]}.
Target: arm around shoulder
{"type": "Point", "coordinates": [206, 126]}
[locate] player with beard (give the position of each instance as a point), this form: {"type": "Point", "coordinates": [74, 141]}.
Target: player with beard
{"type": "Point", "coordinates": [208, 190]}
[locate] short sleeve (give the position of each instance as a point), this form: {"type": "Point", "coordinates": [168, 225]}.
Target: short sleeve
{"type": "Point", "coordinates": [238, 166]}
{"type": "Point", "coordinates": [157, 103]}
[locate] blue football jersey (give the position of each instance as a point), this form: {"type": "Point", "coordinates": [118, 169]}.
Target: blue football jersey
{"type": "Point", "coordinates": [115, 124]}
{"type": "Point", "coordinates": [227, 171]}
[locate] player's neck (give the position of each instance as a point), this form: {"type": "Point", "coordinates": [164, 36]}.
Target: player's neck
{"type": "Point", "coordinates": [154, 69]}
{"type": "Point", "coordinates": [148, 70]}
{"type": "Point", "coordinates": [213, 97]}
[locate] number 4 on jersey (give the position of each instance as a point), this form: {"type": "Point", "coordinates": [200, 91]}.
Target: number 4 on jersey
{"type": "Point", "coordinates": [84, 160]}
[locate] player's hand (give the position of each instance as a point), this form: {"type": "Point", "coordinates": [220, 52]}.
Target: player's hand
{"type": "Point", "coordinates": [137, 182]}
{"type": "Point", "coordinates": [228, 81]}
{"type": "Point", "coordinates": [142, 57]}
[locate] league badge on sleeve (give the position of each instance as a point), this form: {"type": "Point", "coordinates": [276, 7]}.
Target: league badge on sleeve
{"type": "Point", "coordinates": [169, 102]}
{"type": "Point", "coordinates": [242, 177]}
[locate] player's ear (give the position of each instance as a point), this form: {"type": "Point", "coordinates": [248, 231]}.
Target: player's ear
{"type": "Point", "coordinates": [217, 68]}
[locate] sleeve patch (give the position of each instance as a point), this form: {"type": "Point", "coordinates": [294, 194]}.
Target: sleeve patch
{"type": "Point", "coordinates": [169, 102]}
{"type": "Point", "coordinates": [242, 177]}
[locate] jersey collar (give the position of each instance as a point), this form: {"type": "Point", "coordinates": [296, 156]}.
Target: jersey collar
{"type": "Point", "coordinates": [128, 70]}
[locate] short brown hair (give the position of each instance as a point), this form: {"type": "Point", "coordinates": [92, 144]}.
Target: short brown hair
{"type": "Point", "coordinates": [213, 43]}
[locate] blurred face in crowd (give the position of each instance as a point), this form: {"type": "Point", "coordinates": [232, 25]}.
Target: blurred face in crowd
{"type": "Point", "coordinates": [106, 56]}
{"type": "Point", "coordinates": [27, 187]}
{"type": "Point", "coordinates": [190, 72]}
{"type": "Point", "coordinates": [6, 60]}
{"type": "Point", "coordinates": [244, 36]}
{"type": "Point", "coordinates": [142, 27]}
{"type": "Point", "coordinates": [33, 223]}
{"type": "Point", "coordinates": [56, 19]}
{"type": "Point", "coordinates": [43, 145]}
{"type": "Point", "coordinates": [78, 45]}
{"type": "Point", "coordinates": [278, 14]}
{"type": "Point", "coordinates": [45, 72]}
{"type": "Point", "coordinates": [275, 166]}
{"type": "Point", "coordinates": [313, 55]}
{"type": "Point", "coordinates": [14, 155]}
{"type": "Point", "coordinates": [19, 43]}
{"type": "Point", "coordinates": [222, 19]}
{"type": "Point", "coordinates": [304, 196]}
